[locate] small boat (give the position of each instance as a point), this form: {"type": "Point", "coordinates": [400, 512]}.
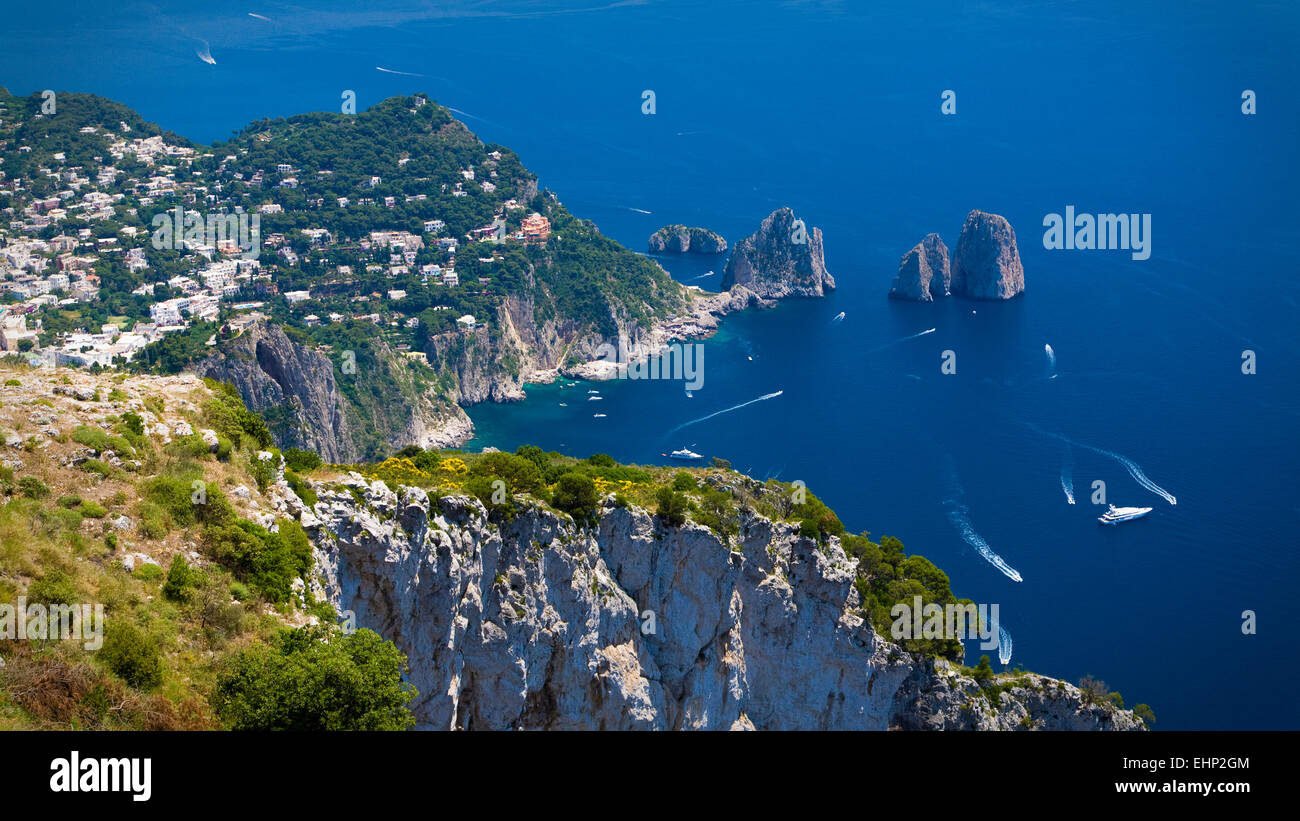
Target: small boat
{"type": "Point", "coordinates": [1115, 515]}
{"type": "Point", "coordinates": [684, 454]}
{"type": "Point", "coordinates": [593, 391]}
{"type": "Point", "coordinates": [598, 416]}
{"type": "Point", "coordinates": [689, 395]}
{"type": "Point", "coordinates": [594, 398]}
{"type": "Point", "coordinates": [838, 317]}
{"type": "Point", "coordinates": [564, 404]}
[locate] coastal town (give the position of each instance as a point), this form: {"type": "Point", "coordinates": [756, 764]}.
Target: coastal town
{"type": "Point", "coordinates": [182, 226]}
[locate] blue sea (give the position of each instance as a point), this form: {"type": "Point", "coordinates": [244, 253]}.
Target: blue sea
{"type": "Point", "coordinates": [834, 109]}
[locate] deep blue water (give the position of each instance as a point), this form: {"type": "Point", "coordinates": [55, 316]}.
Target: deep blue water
{"type": "Point", "coordinates": [834, 110]}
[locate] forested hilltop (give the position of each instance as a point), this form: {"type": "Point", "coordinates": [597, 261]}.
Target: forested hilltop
{"type": "Point", "coordinates": [423, 265]}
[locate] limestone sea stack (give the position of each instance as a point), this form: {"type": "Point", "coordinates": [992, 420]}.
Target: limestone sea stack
{"type": "Point", "coordinates": [986, 263]}
{"type": "Point", "coordinates": [683, 239]}
{"type": "Point", "coordinates": [783, 258]}
{"type": "Point", "coordinates": [923, 274]}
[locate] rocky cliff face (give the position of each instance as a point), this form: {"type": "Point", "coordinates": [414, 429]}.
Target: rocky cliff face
{"type": "Point", "coordinates": [986, 262]}
{"type": "Point", "coordinates": [783, 258]}
{"type": "Point", "coordinates": [681, 239]}
{"type": "Point", "coordinates": [923, 273]}
{"type": "Point", "coordinates": [297, 390]}
{"type": "Point", "coordinates": [271, 371]}
{"type": "Point", "coordinates": [537, 624]}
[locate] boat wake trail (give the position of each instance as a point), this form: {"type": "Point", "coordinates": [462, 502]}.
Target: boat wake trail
{"type": "Point", "coordinates": [1051, 361]}
{"type": "Point", "coordinates": [1004, 645]}
{"type": "Point", "coordinates": [1132, 467]}
{"type": "Point", "coordinates": [958, 514]}
{"type": "Point", "coordinates": [904, 339]}
{"type": "Point", "coordinates": [762, 398]}
{"type": "Point", "coordinates": [1067, 475]}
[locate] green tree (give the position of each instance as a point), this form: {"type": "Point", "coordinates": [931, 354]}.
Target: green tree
{"type": "Point", "coordinates": [316, 678]}
{"type": "Point", "coordinates": [575, 494]}
{"type": "Point", "coordinates": [672, 507]}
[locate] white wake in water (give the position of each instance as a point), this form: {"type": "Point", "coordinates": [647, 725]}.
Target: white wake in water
{"type": "Point", "coordinates": [205, 53]}
{"type": "Point", "coordinates": [762, 398]}
{"type": "Point", "coordinates": [1004, 645]}
{"type": "Point", "coordinates": [904, 339]}
{"type": "Point", "coordinates": [1132, 467]}
{"type": "Point", "coordinates": [1067, 475]}
{"type": "Point", "coordinates": [957, 514]}
{"type": "Point", "coordinates": [1051, 361]}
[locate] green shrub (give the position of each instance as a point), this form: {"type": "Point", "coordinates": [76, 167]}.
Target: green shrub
{"type": "Point", "coordinates": [180, 580]}
{"type": "Point", "coordinates": [316, 679]}
{"type": "Point", "coordinates": [300, 488]}
{"type": "Point", "coordinates": [154, 521]}
{"type": "Point", "coordinates": [229, 417]}
{"type": "Point", "coordinates": [133, 422]}
{"type": "Point", "coordinates": [69, 501]}
{"type": "Point", "coordinates": [268, 562]}
{"type": "Point", "coordinates": [55, 587]}
{"type": "Point", "coordinates": [575, 494]}
{"type": "Point", "coordinates": [224, 447]}
{"type": "Point", "coordinates": [187, 447]}
{"type": "Point", "coordinates": [148, 572]}
{"type": "Point", "coordinates": [263, 470]}
{"type": "Point", "coordinates": [92, 510]}
{"type": "Point", "coordinates": [33, 488]}
{"type": "Point", "coordinates": [672, 507]}
{"type": "Point", "coordinates": [520, 475]}
{"type": "Point", "coordinates": [302, 461]}
{"type": "Point", "coordinates": [97, 467]}
{"type": "Point", "coordinates": [129, 653]}
{"type": "Point", "coordinates": [13, 383]}
{"type": "Point", "coordinates": [684, 481]}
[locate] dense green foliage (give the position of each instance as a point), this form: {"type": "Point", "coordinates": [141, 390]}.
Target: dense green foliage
{"type": "Point", "coordinates": [316, 679]}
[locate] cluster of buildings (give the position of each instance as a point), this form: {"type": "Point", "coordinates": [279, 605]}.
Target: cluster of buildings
{"type": "Point", "coordinates": [45, 265]}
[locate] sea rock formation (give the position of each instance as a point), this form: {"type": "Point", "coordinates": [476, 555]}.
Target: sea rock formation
{"type": "Point", "coordinates": [923, 274]}
{"type": "Point", "coordinates": [986, 262]}
{"type": "Point", "coordinates": [536, 623]}
{"type": "Point", "coordinates": [682, 239]}
{"type": "Point", "coordinates": [783, 258]}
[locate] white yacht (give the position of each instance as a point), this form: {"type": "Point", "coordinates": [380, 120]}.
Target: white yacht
{"type": "Point", "coordinates": [685, 455]}
{"type": "Point", "coordinates": [1115, 515]}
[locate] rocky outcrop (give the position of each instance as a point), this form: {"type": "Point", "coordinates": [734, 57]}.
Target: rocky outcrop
{"type": "Point", "coordinates": [270, 371]}
{"type": "Point", "coordinates": [298, 391]}
{"type": "Point", "coordinates": [986, 262]}
{"type": "Point", "coordinates": [783, 258]}
{"type": "Point", "coordinates": [538, 624]}
{"type": "Point", "coordinates": [682, 239]}
{"type": "Point", "coordinates": [923, 273]}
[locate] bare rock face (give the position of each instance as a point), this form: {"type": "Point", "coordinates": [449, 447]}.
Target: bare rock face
{"type": "Point", "coordinates": [536, 623]}
{"type": "Point", "coordinates": [986, 263]}
{"type": "Point", "coordinates": [923, 274]}
{"type": "Point", "coordinates": [783, 258]}
{"type": "Point", "coordinates": [682, 239]}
